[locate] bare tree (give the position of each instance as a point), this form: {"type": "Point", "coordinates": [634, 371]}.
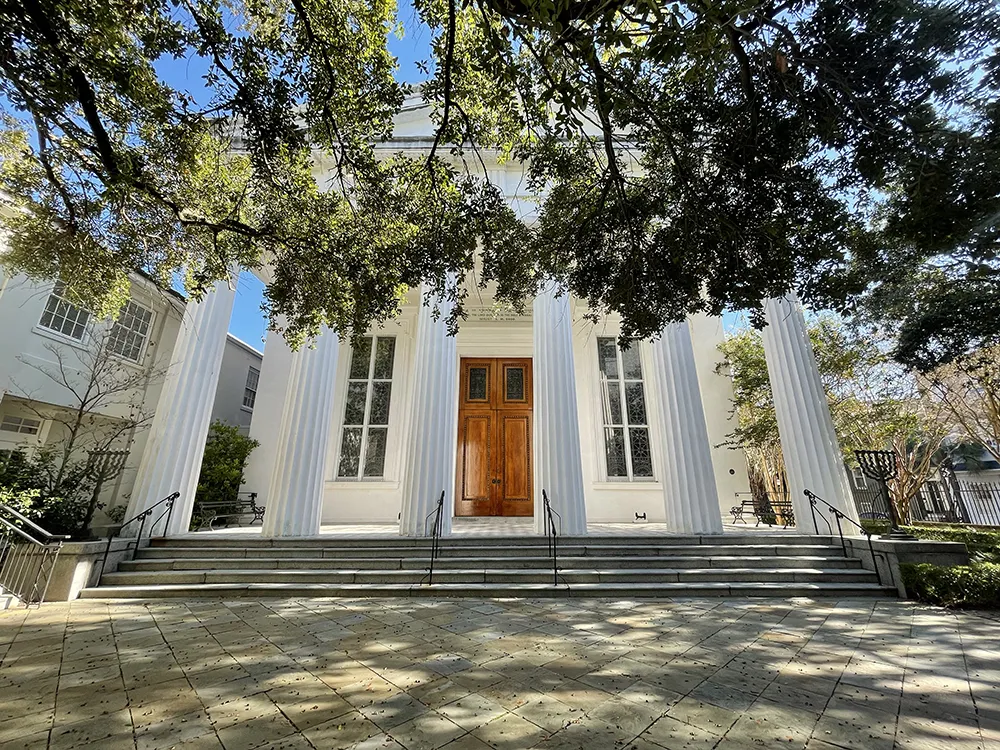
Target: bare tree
{"type": "Point", "coordinates": [103, 410]}
{"type": "Point", "coordinates": [969, 390]}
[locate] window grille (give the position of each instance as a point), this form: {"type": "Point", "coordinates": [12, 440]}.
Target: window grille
{"type": "Point", "coordinates": [627, 450]}
{"type": "Point", "coordinates": [250, 390]}
{"type": "Point", "coordinates": [366, 412]}
{"type": "Point", "coordinates": [62, 316]}
{"type": "Point", "coordinates": [130, 332]}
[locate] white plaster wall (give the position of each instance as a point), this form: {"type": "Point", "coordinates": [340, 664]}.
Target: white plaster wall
{"type": "Point", "coordinates": [607, 501]}
{"type": "Point", "coordinates": [370, 500]}
{"type": "Point", "coordinates": [237, 359]}
{"type": "Point", "coordinates": [717, 397]}
{"type": "Point", "coordinates": [617, 500]}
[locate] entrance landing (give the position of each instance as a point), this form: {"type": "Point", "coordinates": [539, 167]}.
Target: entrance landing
{"type": "Point", "coordinates": [493, 526]}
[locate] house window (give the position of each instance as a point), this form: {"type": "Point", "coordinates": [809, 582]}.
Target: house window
{"type": "Point", "coordinates": [62, 316]}
{"type": "Point", "coordinates": [366, 414]}
{"type": "Point", "coordinates": [623, 400]}
{"type": "Point", "coordinates": [130, 332]}
{"type": "Point", "coordinates": [250, 390]}
{"type": "Point", "coordinates": [21, 425]}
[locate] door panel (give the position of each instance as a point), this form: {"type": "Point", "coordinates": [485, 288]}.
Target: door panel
{"type": "Point", "coordinates": [514, 386]}
{"type": "Point", "coordinates": [493, 471]}
{"type": "Point", "coordinates": [475, 464]}
{"type": "Point", "coordinates": [515, 455]}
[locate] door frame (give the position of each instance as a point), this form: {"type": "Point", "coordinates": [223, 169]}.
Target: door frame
{"type": "Point", "coordinates": [496, 410]}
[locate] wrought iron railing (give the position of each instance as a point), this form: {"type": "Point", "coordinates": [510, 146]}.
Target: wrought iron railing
{"type": "Point", "coordinates": [941, 502]}
{"type": "Point", "coordinates": [28, 555]}
{"type": "Point", "coordinates": [166, 509]}
{"type": "Point", "coordinates": [551, 535]}
{"type": "Point", "coordinates": [438, 514]}
{"type": "Point", "coordinates": [841, 516]}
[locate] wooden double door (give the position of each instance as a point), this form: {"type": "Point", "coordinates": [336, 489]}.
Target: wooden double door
{"type": "Point", "coordinates": [494, 469]}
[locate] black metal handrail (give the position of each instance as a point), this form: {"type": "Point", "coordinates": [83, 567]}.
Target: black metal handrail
{"type": "Point", "coordinates": [142, 516]}
{"type": "Point", "coordinates": [28, 555]}
{"type": "Point", "coordinates": [840, 515]}
{"type": "Point", "coordinates": [438, 514]}
{"type": "Point", "coordinates": [552, 535]}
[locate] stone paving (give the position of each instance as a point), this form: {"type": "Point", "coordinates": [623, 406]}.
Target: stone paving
{"type": "Point", "coordinates": [503, 674]}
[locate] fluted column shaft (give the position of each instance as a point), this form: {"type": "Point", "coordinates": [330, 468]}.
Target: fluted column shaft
{"type": "Point", "coordinates": [690, 495]}
{"type": "Point", "coordinates": [272, 387]}
{"type": "Point", "coordinates": [171, 460]}
{"type": "Point", "coordinates": [430, 462]}
{"type": "Point", "coordinates": [808, 442]}
{"type": "Point", "coordinates": [295, 494]}
{"type": "Point", "coordinates": [558, 464]}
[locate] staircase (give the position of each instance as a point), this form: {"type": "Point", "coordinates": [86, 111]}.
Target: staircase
{"type": "Point", "coordinates": [604, 566]}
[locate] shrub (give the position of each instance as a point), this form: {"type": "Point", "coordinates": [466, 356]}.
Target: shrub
{"type": "Point", "coordinates": [875, 526]}
{"type": "Point", "coordinates": [116, 514]}
{"type": "Point", "coordinates": [975, 586]}
{"type": "Point", "coordinates": [30, 488]}
{"type": "Point", "coordinates": [222, 467]}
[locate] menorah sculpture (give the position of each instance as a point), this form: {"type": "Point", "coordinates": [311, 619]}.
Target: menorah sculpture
{"type": "Point", "coordinates": [881, 466]}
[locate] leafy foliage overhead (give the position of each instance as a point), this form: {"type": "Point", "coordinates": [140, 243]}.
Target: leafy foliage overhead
{"type": "Point", "coordinates": [694, 155]}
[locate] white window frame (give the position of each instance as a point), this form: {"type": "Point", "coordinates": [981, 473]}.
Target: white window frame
{"type": "Point", "coordinates": [625, 426]}
{"type": "Point", "coordinates": [370, 381]}
{"type": "Point", "coordinates": [251, 391]}
{"type": "Point", "coordinates": [17, 424]}
{"type": "Point", "coordinates": [57, 293]}
{"type": "Point", "coordinates": [113, 339]}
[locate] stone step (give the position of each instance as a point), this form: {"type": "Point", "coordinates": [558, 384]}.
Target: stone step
{"type": "Point", "coordinates": [255, 540]}
{"type": "Point", "coordinates": [509, 563]}
{"type": "Point", "coordinates": [527, 590]}
{"type": "Point", "coordinates": [474, 551]}
{"type": "Point", "coordinates": [480, 575]}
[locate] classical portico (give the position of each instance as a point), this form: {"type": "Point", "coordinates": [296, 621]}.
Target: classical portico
{"type": "Point", "coordinates": [512, 405]}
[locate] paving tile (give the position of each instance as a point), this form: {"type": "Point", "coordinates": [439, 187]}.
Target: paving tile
{"type": "Point", "coordinates": [343, 732]}
{"type": "Point", "coordinates": [291, 674]}
{"type": "Point", "coordinates": [705, 716]}
{"type": "Point", "coordinates": [508, 732]}
{"type": "Point", "coordinates": [261, 731]}
{"type": "Point", "coordinates": [393, 710]}
{"type": "Point", "coordinates": [428, 731]}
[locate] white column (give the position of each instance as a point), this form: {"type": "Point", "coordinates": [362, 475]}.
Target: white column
{"type": "Point", "coordinates": [295, 494]}
{"type": "Point", "coordinates": [690, 495]}
{"type": "Point", "coordinates": [812, 455]}
{"type": "Point", "coordinates": [171, 461]}
{"type": "Point", "coordinates": [558, 465]}
{"type": "Point", "coordinates": [430, 455]}
{"type": "Point", "coordinates": [268, 408]}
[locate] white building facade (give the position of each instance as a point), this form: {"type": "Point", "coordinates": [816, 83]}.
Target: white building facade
{"type": "Point", "coordinates": [512, 406]}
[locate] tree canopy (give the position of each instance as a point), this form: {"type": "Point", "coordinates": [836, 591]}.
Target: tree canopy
{"type": "Point", "coordinates": [692, 155]}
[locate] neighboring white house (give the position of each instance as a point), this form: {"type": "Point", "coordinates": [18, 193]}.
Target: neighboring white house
{"type": "Point", "coordinates": [238, 380]}
{"type": "Point", "coordinates": [43, 332]}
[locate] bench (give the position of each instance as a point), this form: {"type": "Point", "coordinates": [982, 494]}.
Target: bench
{"type": "Point", "coordinates": [236, 508]}
{"type": "Point", "coordinates": [769, 515]}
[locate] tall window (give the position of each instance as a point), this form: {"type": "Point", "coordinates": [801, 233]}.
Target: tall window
{"type": "Point", "coordinates": [130, 332]}
{"type": "Point", "coordinates": [62, 316]}
{"type": "Point", "coordinates": [366, 415]}
{"type": "Point", "coordinates": [250, 390]}
{"type": "Point", "coordinates": [626, 427]}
